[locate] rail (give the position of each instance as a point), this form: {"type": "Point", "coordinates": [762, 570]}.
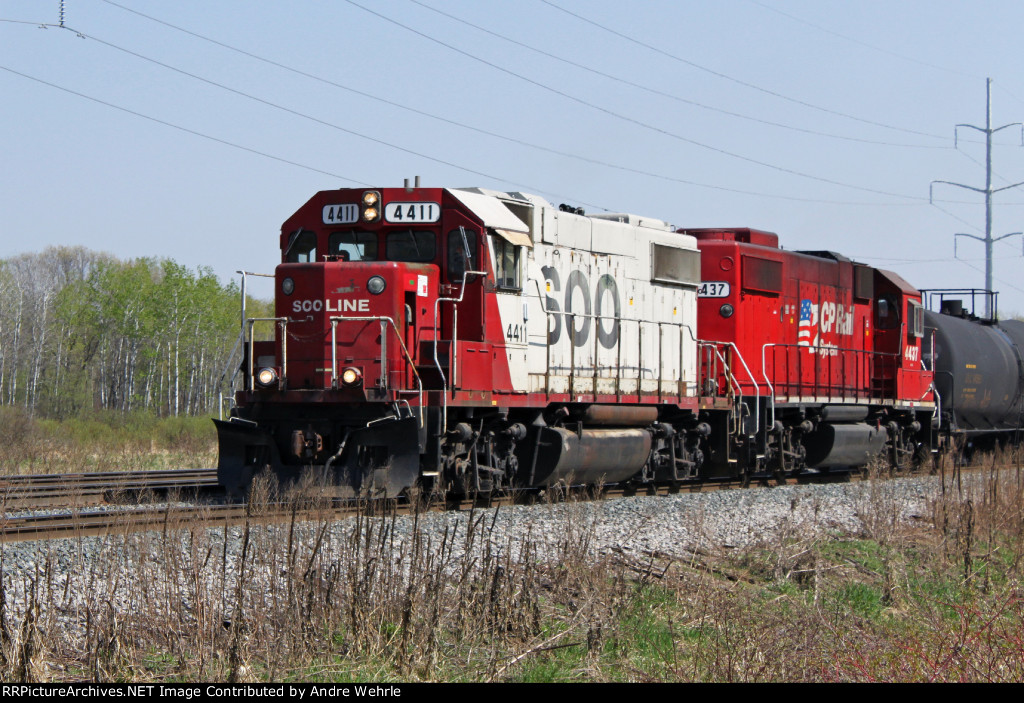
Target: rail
{"type": "Point", "coordinates": [453, 364]}
{"type": "Point", "coordinates": [757, 388]}
{"type": "Point", "coordinates": [239, 341]}
{"type": "Point", "coordinates": [384, 321]}
{"type": "Point", "coordinates": [282, 322]}
{"type": "Point", "coordinates": [683, 329]}
{"type": "Point", "coordinates": [834, 373]}
{"type": "Point", "coordinates": [988, 298]}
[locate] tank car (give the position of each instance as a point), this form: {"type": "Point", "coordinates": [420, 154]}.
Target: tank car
{"type": "Point", "coordinates": [979, 369]}
{"type": "Point", "coordinates": [831, 374]}
{"type": "Point", "coordinates": [469, 340]}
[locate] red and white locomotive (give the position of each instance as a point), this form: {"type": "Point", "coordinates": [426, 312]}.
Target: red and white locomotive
{"type": "Point", "coordinates": [469, 341]}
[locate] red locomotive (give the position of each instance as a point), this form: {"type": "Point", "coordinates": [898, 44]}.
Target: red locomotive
{"type": "Point", "coordinates": [832, 351]}
{"type": "Point", "coordinates": [468, 340]}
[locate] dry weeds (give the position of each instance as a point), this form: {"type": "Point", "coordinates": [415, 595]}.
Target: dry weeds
{"type": "Point", "coordinates": [935, 597]}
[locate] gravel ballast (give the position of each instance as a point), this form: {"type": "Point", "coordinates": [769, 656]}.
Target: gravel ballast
{"type": "Point", "coordinates": [677, 525]}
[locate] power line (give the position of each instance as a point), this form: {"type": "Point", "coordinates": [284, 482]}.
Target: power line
{"type": "Point", "coordinates": [180, 128]}
{"type": "Point", "coordinates": [376, 140]}
{"type": "Point", "coordinates": [495, 135]}
{"type": "Point", "coordinates": [316, 120]}
{"type": "Point", "coordinates": [40, 25]}
{"type": "Point", "coordinates": [858, 41]}
{"type": "Point", "coordinates": [479, 130]}
{"type": "Point", "coordinates": [625, 118]}
{"type": "Point", "coordinates": [1005, 283]}
{"type": "Point", "coordinates": [661, 93]}
{"type": "Point", "coordinates": [738, 81]}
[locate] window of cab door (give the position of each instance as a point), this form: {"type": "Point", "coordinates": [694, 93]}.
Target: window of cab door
{"type": "Point", "coordinates": [457, 264]}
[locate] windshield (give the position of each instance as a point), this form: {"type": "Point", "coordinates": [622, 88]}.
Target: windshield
{"type": "Point", "coordinates": [410, 245]}
{"type": "Point", "coordinates": [353, 246]}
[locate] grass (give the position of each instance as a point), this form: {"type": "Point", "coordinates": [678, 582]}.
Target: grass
{"type": "Point", "coordinates": [104, 442]}
{"type": "Point", "coordinates": [381, 600]}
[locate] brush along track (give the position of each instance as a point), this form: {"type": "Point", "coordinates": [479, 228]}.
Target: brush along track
{"type": "Point", "coordinates": [81, 489]}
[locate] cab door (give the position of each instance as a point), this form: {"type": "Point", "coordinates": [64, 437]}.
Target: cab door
{"type": "Point", "coordinates": [889, 314]}
{"type": "Point", "coordinates": [462, 320]}
{"type": "Point", "coordinates": [458, 232]}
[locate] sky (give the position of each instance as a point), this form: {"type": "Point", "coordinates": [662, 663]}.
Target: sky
{"type": "Point", "coordinates": [191, 130]}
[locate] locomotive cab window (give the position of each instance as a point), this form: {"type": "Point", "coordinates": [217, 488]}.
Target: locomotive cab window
{"type": "Point", "coordinates": [301, 247]}
{"type": "Point", "coordinates": [887, 312]}
{"type": "Point", "coordinates": [457, 264]}
{"type": "Point", "coordinates": [915, 320]}
{"type": "Point", "coordinates": [506, 264]}
{"type": "Point", "coordinates": [410, 245]}
{"type": "Point", "coordinates": [353, 246]}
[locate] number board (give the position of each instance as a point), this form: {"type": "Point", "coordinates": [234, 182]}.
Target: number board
{"type": "Point", "coordinates": [416, 213]}
{"type": "Point", "coordinates": [341, 214]}
{"type": "Point", "coordinates": [713, 289]}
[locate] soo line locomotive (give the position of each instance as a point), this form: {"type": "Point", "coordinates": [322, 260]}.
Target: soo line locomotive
{"type": "Point", "coordinates": [471, 341]}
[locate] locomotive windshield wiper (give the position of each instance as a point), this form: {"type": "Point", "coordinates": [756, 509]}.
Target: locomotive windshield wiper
{"type": "Point", "coordinates": [292, 238]}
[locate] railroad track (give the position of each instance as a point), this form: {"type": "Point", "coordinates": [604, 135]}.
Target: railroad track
{"type": "Point", "coordinates": [106, 522]}
{"type": "Point", "coordinates": [81, 523]}
{"type": "Point", "coordinates": [119, 521]}
{"type": "Point", "coordinates": [96, 522]}
{"type": "Point", "coordinates": [82, 489]}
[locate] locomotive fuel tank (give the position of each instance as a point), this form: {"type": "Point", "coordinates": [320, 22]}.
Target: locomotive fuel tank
{"type": "Point", "coordinates": [844, 445]}
{"type": "Point", "coordinates": [979, 371]}
{"type": "Point", "coordinates": [588, 456]}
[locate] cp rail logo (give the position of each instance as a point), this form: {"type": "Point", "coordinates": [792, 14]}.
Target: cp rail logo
{"type": "Point", "coordinates": [814, 327]}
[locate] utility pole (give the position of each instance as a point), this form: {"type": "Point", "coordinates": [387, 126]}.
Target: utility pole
{"type": "Point", "coordinates": [987, 190]}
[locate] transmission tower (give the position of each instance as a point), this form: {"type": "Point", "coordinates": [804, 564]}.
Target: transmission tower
{"type": "Point", "coordinates": [988, 190]}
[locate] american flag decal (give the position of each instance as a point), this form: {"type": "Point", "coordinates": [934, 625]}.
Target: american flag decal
{"type": "Point", "coordinates": [805, 336]}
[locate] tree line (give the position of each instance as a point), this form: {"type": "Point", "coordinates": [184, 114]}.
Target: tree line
{"type": "Point", "coordinates": [82, 331]}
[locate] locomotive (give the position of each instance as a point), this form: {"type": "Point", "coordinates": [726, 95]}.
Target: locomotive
{"type": "Point", "coordinates": [468, 341]}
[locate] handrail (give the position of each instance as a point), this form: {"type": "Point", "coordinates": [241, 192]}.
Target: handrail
{"type": "Point", "coordinates": [239, 342]}
{"type": "Point", "coordinates": [771, 388]}
{"type": "Point", "coordinates": [618, 345]}
{"type": "Point", "coordinates": [454, 340]}
{"type": "Point", "coordinates": [757, 388]}
{"type": "Point", "coordinates": [384, 321]}
{"type": "Point", "coordinates": [282, 322]}
{"type": "Point", "coordinates": [828, 387]}
{"type": "Point", "coordinates": [570, 332]}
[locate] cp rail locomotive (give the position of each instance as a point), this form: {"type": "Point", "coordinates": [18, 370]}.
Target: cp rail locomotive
{"type": "Point", "coordinates": [470, 341]}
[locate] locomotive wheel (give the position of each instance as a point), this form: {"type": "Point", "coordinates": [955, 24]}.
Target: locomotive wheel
{"type": "Point", "coordinates": [923, 458]}
{"type": "Point", "coordinates": [780, 476]}
{"type": "Point", "coordinates": [744, 477]}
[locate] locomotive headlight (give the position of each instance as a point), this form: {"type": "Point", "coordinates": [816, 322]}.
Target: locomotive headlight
{"type": "Point", "coordinates": [266, 377]}
{"type": "Point", "coordinates": [287, 286]}
{"type": "Point", "coordinates": [351, 376]}
{"type": "Point", "coordinates": [376, 285]}
{"type": "Point", "coordinates": [726, 310]}
{"type": "Point", "coordinates": [371, 206]}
